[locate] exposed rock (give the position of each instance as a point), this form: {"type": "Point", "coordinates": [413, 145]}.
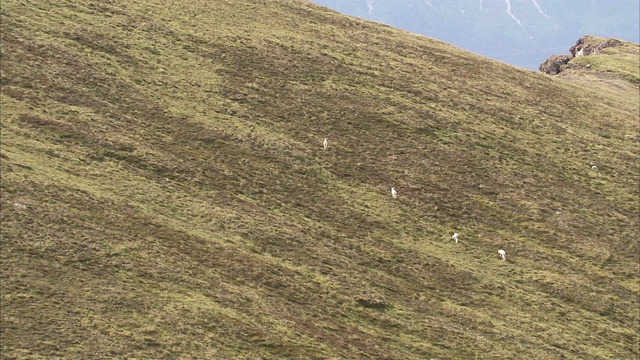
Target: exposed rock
{"type": "Point", "coordinates": [555, 64]}
{"type": "Point", "coordinates": [585, 46]}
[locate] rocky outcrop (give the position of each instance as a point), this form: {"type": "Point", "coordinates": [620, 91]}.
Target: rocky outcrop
{"type": "Point", "coordinates": [585, 46]}
{"type": "Point", "coordinates": [555, 64]}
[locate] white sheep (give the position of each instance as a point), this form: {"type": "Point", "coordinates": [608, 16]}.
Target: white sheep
{"type": "Point", "coordinates": [455, 237]}
{"type": "Point", "coordinates": [325, 143]}
{"type": "Point", "coordinates": [19, 205]}
{"type": "Point", "coordinates": [593, 167]}
{"type": "Point", "coordinates": [503, 254]}
{"type": "Point", "coordinates": [394, 193]}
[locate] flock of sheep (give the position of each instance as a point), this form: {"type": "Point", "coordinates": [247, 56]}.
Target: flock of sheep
{"type": "Point", "coordinates": [394, 194]}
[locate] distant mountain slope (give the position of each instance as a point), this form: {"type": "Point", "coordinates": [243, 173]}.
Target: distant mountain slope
{"type": "Point", "coordinates": [166, 194]}
{"type": "Point", "coordinates": [523, 33]}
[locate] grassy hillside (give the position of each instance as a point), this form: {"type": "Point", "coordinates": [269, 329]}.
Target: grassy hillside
{"type": "Point", "coordinates": [165, 193]}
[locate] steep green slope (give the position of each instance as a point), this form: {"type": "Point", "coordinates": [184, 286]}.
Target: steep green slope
{"type": "Point", "coordinates": [165, 193]}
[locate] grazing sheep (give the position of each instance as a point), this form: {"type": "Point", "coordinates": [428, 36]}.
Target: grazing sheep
{"type": "Point", "coordinates": [455, 237]}
{"type": "Point", "coordinates": [394, 193]}
{"type": "Point", "coordinates": [503, 254]}
{"type": "Point", "coordinates": [19, 205]}
{"type": "Point", "coordinates": [325, 143]}
{"type": "Point", "coordinates": [593, 167]}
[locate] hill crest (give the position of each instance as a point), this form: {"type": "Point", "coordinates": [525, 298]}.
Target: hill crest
{"type": "Point", "coordinates": [604, 58]}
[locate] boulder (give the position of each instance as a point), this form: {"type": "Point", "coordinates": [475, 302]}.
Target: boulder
{"type": "Point", "coordinates": [555, 64]}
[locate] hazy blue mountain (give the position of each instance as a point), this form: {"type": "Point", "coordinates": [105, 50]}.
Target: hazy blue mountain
{"type": "Point", "coordinates": [520, 32]}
